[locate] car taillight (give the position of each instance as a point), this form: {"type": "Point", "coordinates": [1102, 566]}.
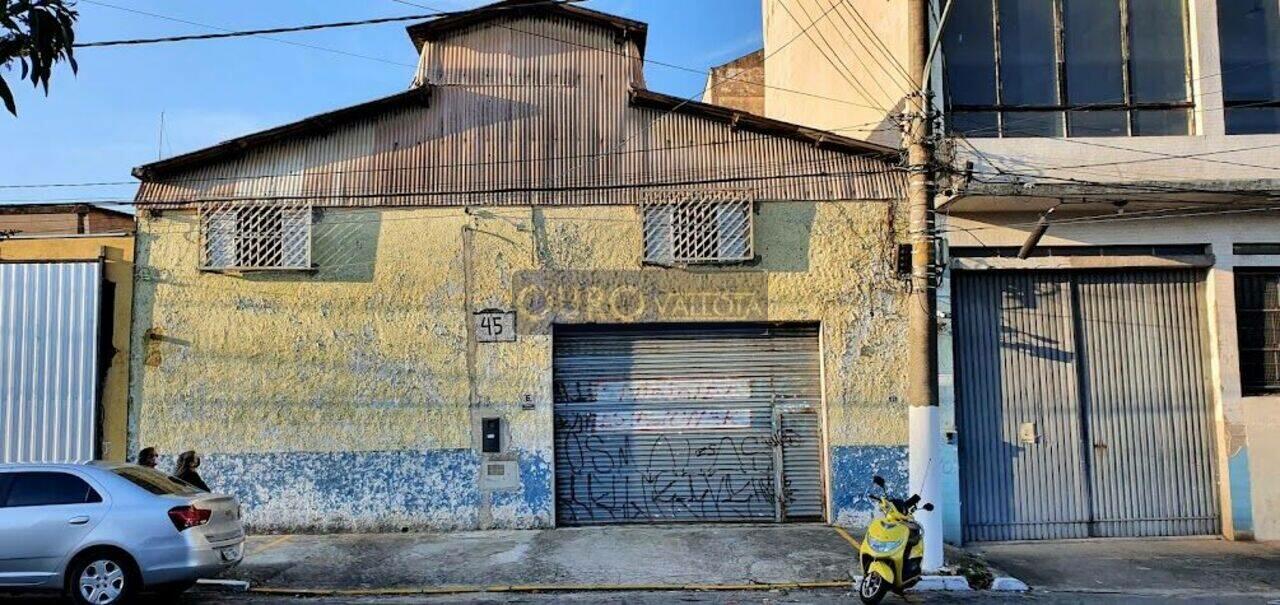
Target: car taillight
{"type": "Point", "coordinates": [186, 517]}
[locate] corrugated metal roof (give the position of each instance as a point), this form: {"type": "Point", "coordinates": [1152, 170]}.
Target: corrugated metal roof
{"type": "Point", "coordinates": [550, 112]}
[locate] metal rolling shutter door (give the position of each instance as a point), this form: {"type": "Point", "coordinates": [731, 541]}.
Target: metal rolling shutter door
{"type": "Point", "coordinates": [676, 423]}
{"type": "Point", "coordinates": [1110, 367]}
{"type": "Point", "coordinates": [1016, 363]}
{"type": "Point", "coordinates": [1150, 433]}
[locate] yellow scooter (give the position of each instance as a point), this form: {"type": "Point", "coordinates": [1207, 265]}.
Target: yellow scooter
{"type": "Point", "coordinates": [893, 548]}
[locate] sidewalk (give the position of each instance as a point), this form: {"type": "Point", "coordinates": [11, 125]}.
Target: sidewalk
{"type": "Point", "coordinates": [593, 558]}
{"type": "Point", "coordinates": [1189, 566]}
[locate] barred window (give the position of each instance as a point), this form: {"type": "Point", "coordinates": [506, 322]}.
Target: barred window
{"type": "Point", "coordinates": [241, 236]}
{"type": "Point", "coordinates": [698, 228]}
{"type": "Point", "coordinates": [1258, 329]}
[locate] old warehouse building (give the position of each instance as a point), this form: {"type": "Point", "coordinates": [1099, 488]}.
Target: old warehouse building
{"type": "Point", "coordinates": [526, 292]}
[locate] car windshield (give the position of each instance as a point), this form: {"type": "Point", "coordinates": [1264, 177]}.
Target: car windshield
{"type": "Point", "coordinates": [155, 482]}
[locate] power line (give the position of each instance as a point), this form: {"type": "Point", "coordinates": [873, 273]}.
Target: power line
{"type": "Point", "coordinates": [843, 68]}
{"type": "Point", "coordinates": [500, 190]}
{"type": "Point", "coordinates": [251, 32]}
{"type": "Point", "coordinates": [901, 77]}
{"type": "Point", "coordinates": [684, 68]}
{"type": "Point", "coordinates": [686, 101]}
{"type": "Point", "coordinates": [242, 177]}
{"type": "Point", "coordinates": [255, 35]}
{"type": "Point", "coordinates": [875, 38]}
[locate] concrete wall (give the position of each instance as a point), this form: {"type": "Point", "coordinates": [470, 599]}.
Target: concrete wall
{"type": "Point", "coordinates": [347, 398]}
{"type": "Point", "coordinates": [117, 260]}
{"type": "Point", "coordinates": [1249, 459]}
{"type": "Point", "coordinates": [738, 84]}
{"type": "Point", "coordinates": [835, 76]}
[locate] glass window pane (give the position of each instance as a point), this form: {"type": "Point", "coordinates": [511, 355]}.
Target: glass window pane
{"type": "Point", "coordinates": [1091, 38]}
{"type": "Point", "coordinates": [1102, 123]}
{"type": "Point", "coordinates": [47, 489]}
{"type": "Point", "coordinates": [1157, 51]}
{"type": "Point", "coordinates": [1249, 34]}
{"type": "Point", "coordinates": [969, 53]}
{"type": "Point", "coordinates": [1033, 124]}
{"type": "Point", "coordinates": [154, 481]}
{"type": "Point", "coordinates": [974, 123]}
{"type": "Point", "coordinates": [1028, 66]}
{"type": "Point", "coordinates": [1161, 122]}
{"type": "Point", "coordinates": [1253, 120]}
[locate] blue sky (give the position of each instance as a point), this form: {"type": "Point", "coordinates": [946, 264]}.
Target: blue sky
{"type": "Point", "coordinates": [97, 125]}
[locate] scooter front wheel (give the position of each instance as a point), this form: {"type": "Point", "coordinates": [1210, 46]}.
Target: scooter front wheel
{"type": "Point", "coordinates": [872, 588]}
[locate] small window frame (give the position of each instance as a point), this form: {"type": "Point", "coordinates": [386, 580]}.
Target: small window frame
{"type": "Point", "coordinates": [725, 218]}
{"type": "Point", "coordinates": [224, 238]}
{"type": "Point", "coordinates": [1242, 276]}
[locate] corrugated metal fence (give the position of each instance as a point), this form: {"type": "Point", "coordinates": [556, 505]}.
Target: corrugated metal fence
{"type": "Point", "coordinates": [49, 318]}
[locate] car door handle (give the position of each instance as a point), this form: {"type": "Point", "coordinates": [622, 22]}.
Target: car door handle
{"type": "Point", "coordinates": [81, 520]}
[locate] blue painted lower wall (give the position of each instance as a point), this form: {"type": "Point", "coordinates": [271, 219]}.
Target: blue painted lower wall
{"type": "Point", "coordinates": [376, 491]}
{"type": "Point", "coordinates": [852, 468]}
{"type": "Point", "coordinates": [439, 489]}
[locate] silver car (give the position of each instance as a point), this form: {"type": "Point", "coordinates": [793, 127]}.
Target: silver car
{"type": "Point", "coordinates": [103, 532]}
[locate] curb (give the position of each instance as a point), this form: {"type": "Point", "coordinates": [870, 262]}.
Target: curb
{"type": "Point", "coordinates": [449, 590]}
{"type": "Point", "coordinates": [1008, 584]}
{"type": "Point", "coordinates": [228, 585]}
{"type": "Point", "coordinates": [933, 584]}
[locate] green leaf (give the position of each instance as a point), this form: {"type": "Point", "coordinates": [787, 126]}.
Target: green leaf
{"type": "Point", "coordinates": [6, 95]}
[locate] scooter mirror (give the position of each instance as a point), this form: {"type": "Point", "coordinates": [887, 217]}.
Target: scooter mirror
{"type": "Point", "coordinates": [878, 480]}
{"type": "Point", "coordinates": [928, 506]}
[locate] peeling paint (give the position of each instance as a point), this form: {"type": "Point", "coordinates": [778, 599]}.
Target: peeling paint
{"type": "Point", "coordinates": [852, 468]}
{"type": "Point", "coordinates": [361, 363]}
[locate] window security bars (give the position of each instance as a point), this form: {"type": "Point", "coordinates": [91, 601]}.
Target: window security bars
{"type": "Point", "coordinates": [702, 227]}
{"type": "Point", "coordinates": [249, 236]}
{"type": "Point", "coordinates": [1258, 329]}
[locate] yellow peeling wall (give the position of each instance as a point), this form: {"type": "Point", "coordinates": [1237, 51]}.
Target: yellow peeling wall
{"type": "Point", "coordinates": [342, 398]}
{"type": "Point", "coordinates": [116, 253]}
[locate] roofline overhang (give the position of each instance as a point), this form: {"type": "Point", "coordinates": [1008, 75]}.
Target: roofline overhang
{"type": "Point", "coordinates": [643, 97]}
{"type": "Point", "coordinates": [318, 124]}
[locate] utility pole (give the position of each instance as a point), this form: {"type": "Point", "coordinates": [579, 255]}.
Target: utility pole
{"type": "Point", "coordinates": [922, 338]}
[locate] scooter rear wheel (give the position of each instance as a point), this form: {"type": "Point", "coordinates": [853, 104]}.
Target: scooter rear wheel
{"type": "Point", "coordinates": [872, 588]}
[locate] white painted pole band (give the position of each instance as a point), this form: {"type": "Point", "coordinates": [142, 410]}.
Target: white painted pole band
{"type": "Point", "coordinates": [925, 457]}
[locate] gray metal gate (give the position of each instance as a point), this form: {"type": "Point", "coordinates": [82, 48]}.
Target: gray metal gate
{"type": "Point", "coordinates": [665, 423]}
{"type": "Point", "coordinates": [48, 361]}
{"type": "Point", "coordinates": [1082, 404]}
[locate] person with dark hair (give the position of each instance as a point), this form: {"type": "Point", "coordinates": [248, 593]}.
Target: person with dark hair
{"type": "Point", "coordinates": [148, 457]}
{"type": "Point", "coordinates": [188, 462]}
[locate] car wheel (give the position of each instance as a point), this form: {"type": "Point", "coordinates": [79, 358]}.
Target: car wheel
{"type": "Point", "coordinates": [101, 579]}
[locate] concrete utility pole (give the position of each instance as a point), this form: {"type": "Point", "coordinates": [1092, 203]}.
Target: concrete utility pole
{"type": "Point", "coordinates": [922, 337]}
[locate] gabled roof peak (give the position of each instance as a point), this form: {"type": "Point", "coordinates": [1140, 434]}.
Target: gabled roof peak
{"type": "Point", "coordinates": [421, 33]}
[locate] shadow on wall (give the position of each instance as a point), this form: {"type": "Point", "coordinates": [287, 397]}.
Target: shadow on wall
{"type": "Point", "coordinates": [784, 235]}
{"type": "Point", "coordinates": [344, 248]}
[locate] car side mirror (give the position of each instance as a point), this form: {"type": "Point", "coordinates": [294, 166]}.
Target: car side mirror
{"type": "Point", "coordinates": [878, 480]}
{"type": "Point", "coordinates": [928, 506]}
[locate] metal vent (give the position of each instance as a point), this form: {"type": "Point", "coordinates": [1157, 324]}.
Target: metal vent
{"type": "Point", "coordinates": [240, 236]}
{"type": "Point", "coordinates": [699, 227]}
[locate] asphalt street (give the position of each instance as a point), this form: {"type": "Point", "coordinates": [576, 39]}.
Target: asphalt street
{"type": "Point", "coordinates": [816, 597]}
